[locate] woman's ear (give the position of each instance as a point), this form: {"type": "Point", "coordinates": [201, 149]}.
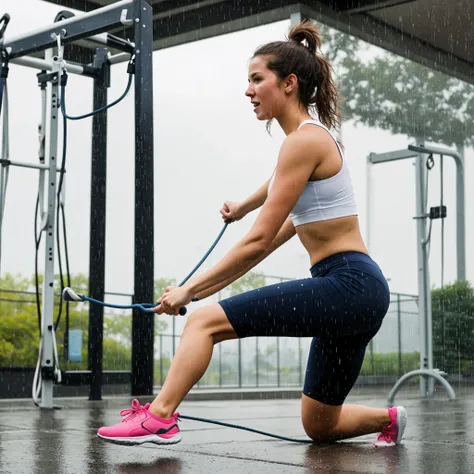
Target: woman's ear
{"type": "Point", "coordinates": [290, 83]}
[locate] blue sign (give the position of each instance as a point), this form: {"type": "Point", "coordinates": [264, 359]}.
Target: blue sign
{"type": "Point", "coordinates": [75, 345]}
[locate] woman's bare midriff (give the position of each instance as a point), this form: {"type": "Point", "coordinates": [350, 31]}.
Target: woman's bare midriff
{"type": "Point", "coordinates": [325, 238]}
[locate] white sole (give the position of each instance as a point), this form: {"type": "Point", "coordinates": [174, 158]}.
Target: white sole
{"type": "Point", "coordinates": [136, 441]}
{"type": "Point", "coordinates": [402, 419]}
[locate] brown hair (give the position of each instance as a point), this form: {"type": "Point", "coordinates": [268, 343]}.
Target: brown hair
{"type": "Point", "coordinates": [316, 88]}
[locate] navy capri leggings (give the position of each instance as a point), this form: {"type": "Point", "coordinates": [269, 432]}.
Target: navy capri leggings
{"type": "Point", "coordinates": [341, 307]}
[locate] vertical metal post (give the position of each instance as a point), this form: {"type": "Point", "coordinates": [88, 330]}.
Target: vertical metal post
{"type": "Point", "coordinates": [426, 355]}
{"type": "Point", "coordinates": [240, 363]}
{"type": "Point", "coordinates": [399, 326]}
{"type": "Point", "coordinates": [368, 234]}
{"type": "Point", "coordinates": [220, 349]}
{"type": "Point", "coordinates": [47, 326]}
{"type": "Point", "coordinates": [256, 362]}
{"type": "Point", "coordinates": [220, 365]}
{"type": "Point", "coordinates": [174, 336]}
{"type": "Point", "coordinates": [429, 325]}
{"type": "Point", "coordinates": [278, 361]}
{"type": "Point", "coordinates": [460, 218]}
{"type": "Point", "coordinates": [300, 378]}
{"type": "Point", "coordinates": [97, 231]}
{"type": "Point", "coordinates": [161, 360]}
{"type": "Point", "coordinates": [278, 353]}
{"type": "Point", "coordinates": [143, 323]}
{"type": "Point", "coordinates": [368, 202]}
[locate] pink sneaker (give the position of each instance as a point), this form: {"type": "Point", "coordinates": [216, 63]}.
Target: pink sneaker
{"type": "Point", "coordinates": [139, 425]}
{"type": "Point", "coordinates": [392, 434]}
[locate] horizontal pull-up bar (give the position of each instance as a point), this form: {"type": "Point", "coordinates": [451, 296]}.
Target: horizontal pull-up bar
{"type": "Point", "coordinates": [115, 16]}
{"type": "Point", "coordinates": [44, 65]}
{"type": "Point", "coordinates": [375, 158]}
{"type": "Point", "coordinates": [438, 151]}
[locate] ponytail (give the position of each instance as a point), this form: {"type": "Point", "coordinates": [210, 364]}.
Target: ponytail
{"type": "Point", "coordinates": [299, 55]}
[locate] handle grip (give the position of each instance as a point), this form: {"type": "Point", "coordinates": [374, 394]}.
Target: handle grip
{"type": "Point", "coordinates": [183, 310]}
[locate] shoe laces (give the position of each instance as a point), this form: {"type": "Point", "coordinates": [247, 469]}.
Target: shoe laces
{"type": "Point", "coordinates": [131, 413]}
{"type": "Point", "coordinates": [385, 435]}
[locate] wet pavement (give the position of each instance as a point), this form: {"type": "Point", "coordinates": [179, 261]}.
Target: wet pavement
{"type": "Point", "coordinates": [439, 439]}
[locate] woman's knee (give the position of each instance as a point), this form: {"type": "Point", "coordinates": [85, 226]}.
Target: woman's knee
{"type": "Point", "coordinates": [318, 432]}
{"type": "Point", "coordinates": [319, 419]}
{"type": "Point", "coordinates": [212, 321]}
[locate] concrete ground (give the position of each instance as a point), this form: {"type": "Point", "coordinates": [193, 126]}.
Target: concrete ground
{"type": "Point", "coordinates": [439, 439]}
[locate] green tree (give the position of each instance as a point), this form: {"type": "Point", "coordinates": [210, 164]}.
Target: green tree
{"type": "Point", "coordinates": [19, 326]}
{"type": "Point", "coordinates": [453, 328]}
{"type": "Point", "coordinates": [247, 282]}
{"type": "Point", "coordinates": [399, 95]}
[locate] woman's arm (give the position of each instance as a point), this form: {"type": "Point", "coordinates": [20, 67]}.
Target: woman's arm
{"type": "Point", "coordinates": [299, 155]}
{"type": "Point", "coordinates": [297, 160]}
{"type": "Point", "coordinates": [257, 199]}
{"type": "Point", "coordinates": [234, 211]}
{"type": "Point", "coordinates": [286, 232]}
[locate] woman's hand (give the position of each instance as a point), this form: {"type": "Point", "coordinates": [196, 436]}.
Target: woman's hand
{"type": "Point", "coordinates": [174, 298]}
{"type": "Point", "coordinates": [232, 211]}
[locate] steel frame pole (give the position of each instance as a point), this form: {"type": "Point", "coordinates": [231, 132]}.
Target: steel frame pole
{"type": "Point", "coordinates": [424, 295]}
{"type": "Point", "coordinates": [143, 323]}
{"type": "Point", "coordinates": [47, 322]}
{"type": "Point", "coordinates": [97, 230]}
{"type": "Point", "coordinates": [429, 374]}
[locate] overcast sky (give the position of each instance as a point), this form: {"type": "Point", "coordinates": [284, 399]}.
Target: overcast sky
{"type": "Point", "coordinates": [208, 148]}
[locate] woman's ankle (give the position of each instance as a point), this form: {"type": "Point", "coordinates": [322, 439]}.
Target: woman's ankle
{"type": "Point", "coordinates": [160, 411]}
{"type": "Point", "coordinates": [386, 420]}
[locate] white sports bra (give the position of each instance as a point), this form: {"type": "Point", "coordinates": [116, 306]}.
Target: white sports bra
{"type": "Point", "coordinates": [324, 199]}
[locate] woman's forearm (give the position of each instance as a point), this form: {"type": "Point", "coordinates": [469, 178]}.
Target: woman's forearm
{"type": "Point", "coordinates": [256, 199]}
{"type": "Point", "coordinates": [286, 232]}
{"type": "Point", "coordinates": [238, 259]}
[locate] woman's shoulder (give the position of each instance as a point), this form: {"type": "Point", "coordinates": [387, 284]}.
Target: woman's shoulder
{"type": "Point", "coordinates": [309, 138]}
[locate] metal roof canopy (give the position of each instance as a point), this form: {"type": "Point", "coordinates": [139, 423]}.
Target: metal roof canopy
{"type": "Point", "coordinates": [436, 33]}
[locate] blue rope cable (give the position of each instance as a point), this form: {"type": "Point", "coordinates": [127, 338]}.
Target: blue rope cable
{"type": "Point", "coordinates": [245, 428]}
{"type": "Point", "coordinates": [211, 248]}
{"type": "Point", "coordinates": [148, 307]}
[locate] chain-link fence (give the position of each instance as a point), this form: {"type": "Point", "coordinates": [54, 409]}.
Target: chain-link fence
{"type": "Point", "coordinates": [251, 362]}
{"type": "Point", "coordinates": [281, 361]}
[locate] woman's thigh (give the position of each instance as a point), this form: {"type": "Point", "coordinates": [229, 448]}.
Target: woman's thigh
{"type": "Point", "coordinates": [333, 367]}
{"type": "Point", "coordinates": [212, 320]}
{"type": "Point", "coordinates": [308, 307]}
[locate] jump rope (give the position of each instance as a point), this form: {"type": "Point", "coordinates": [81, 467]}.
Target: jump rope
{"type": "Point", "coordinates": [69, 295]}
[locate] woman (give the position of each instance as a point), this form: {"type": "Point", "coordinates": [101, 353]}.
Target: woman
{"type": "Point", "coordinates": [341, 306]}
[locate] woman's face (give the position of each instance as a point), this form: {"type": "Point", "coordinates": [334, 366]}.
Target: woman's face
{"type": "Point", "coordinates": [264, 90]}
